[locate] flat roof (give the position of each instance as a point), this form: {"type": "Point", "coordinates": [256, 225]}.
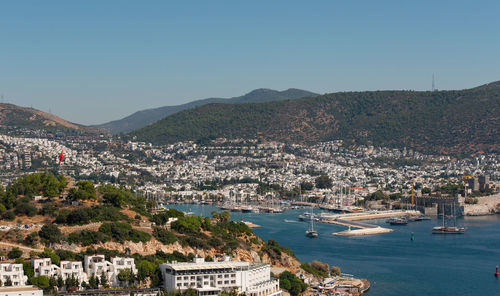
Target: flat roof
{"type": "Point", "coordinates": [212, 265]}
{"type": "Point", "coordinates": [18, 289]}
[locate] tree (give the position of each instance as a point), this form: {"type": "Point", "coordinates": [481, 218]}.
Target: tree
{"type": "Point", "coordinates": [51, 233]}
{"type": "Point", "coordinates": [145, 269]}
{"type": "Point", "coordinates": [60, 282]}
{"type": "Point", "coordinates": [52, 282]}
{"type": "Point", "coordinates": [41, 281]}
{"type": "Point", "coordinates": [292, 283]}
{"type": "Point", "coordinates": [31, 239]}
{"type": "Point", "coordinates": [15, 253]}
{"type": "Point", "coordinates": [323, 182]}
{"type": "Point", "coordinates": [306, 186]}
{"type": "Point", "coordinates": [426, 190]}
{"type": "Point", "coordinates": [49, 253]}
{"type": "Point", "coordinates": [126, 275]}
{"type": "Point", "coordinates": [104, 280]}
{"type": "Point", "coordinates": [93, 282]}
{"type": "Point", "coordinates": [85, 191]}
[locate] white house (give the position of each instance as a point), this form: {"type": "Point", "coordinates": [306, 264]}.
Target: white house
{"type": "Point", "coordinates": [96, 265]}
{"type": "Point", "coordinates": [70, 268]}
{"type": "Point", "coordinates": [210, 278]}
{"type": "Point", "coordinates": [43, 266]}
{"type": "Point", "coordinates": [118, 264]}
{"type": "Point", "coordinates": [14, 272]}
{"type": "Point", "coordinates": [66, 269]}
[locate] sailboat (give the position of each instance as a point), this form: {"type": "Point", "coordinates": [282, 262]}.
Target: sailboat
{"type": "Point", "coordinates": [311, 232]}
{"type": "Point", "coordinates": [449, 229]}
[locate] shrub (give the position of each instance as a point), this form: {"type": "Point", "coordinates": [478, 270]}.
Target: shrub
{"type": "Point", "coordinates": [87, 237]}
{"type": "Point", "coordinates": [316, 268]}
{"type": "Point", "coordinates": [292, 283]}
{"type": "Point", "coordinates": [15, 253]}
{"type": "Point", "coordinates": [25, 209]}
{"type": "Point", "coordinates": [187, 224]}
{"type": "Point", "coordinates": [51, 233]}
{"type": "Point", "coordinates": [164, 236]}
{"type": "Point", "coordinates": [123, 232]}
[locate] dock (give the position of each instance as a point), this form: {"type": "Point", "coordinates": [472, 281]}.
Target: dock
{"type": "Point", "coordinates": [352, 221]}
{"type": "Point", "coordinates": [364, 231]}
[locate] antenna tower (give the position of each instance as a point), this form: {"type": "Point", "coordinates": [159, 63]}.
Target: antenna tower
{"type": "Point", "coordinates": [433, 85]}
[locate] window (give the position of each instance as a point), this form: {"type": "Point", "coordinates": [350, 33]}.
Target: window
{"type": "Point", "coordinates": [233, 282]}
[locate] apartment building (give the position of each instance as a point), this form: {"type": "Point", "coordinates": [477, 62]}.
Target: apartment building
{"type": "Point", "coordinates": [211, 278]}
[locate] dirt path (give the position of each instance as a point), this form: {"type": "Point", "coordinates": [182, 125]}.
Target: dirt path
{"type": "Point", "coordinates": [24, 248]}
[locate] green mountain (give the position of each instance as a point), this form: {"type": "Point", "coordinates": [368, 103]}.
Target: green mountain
{"type": "Point", "coordinates": [14, 117]}
{"type": "Point", "coordinates": [439, 122]}
{"type": "Point", "coordinates": [145, 117]}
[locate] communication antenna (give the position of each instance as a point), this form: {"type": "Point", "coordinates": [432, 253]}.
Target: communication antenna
{"type": "Point", "coordinates": [2, 99]}
{"type": "Point", "coordinates": [433, 84]}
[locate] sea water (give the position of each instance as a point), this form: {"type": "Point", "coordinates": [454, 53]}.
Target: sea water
{"type": "Point", "coordinates": [431, 264]}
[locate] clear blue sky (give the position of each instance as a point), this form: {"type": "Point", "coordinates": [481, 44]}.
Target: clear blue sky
{"type": "Point", "coordinates": [95, 61]}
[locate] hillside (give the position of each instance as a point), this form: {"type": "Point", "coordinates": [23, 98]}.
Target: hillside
{"type": "Point", "coordinates": [72, 220]}
{"type": "Point", "coordinates": [440, 122]}
{"type": "Point", "coordinates": [145, 117]}
{"type": "Point", "coordinates": [16, 117]}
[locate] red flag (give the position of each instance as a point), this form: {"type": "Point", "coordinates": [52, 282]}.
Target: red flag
{"type": "Point", "coordinates": [61, 156]}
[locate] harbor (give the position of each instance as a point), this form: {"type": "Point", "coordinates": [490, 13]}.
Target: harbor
{"type": "Point", "coordinates": [393, 263]}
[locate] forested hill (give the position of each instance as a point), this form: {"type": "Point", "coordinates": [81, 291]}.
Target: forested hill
{"type": "Point", "coordinates": [143, 118]}
{"type": "Point", "coordinates": [439, 122]}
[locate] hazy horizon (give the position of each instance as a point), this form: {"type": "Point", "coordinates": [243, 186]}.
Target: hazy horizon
{"type": "Point", "coordinates": [92, 62]}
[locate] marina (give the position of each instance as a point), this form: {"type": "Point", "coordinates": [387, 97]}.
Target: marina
{"type": "Point", "coordinates": [393, 263]}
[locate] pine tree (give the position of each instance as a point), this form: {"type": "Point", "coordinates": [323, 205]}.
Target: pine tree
{"type": "Point", "coordinates": [104, 280]}
{"type": "Point", "coordinates": [60, 282]}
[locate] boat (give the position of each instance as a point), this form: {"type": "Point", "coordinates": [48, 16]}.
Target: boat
{"type": "Point", "coordinates": [422, 218]}
{"type": "Point", "coordinates": [311, 232]}
{"type": "Point", "coordinates": [449, 229]}
{"type": "Point", "coordinates": [397, 221]}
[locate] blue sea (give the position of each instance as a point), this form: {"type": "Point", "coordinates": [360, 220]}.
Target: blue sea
{"type": "Point", "coordinates": [431, 264]}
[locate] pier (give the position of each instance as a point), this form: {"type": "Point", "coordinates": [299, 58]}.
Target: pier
{"type": "Point", "coordinates": [351, 221]}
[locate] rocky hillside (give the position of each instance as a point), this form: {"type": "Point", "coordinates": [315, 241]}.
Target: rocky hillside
{"type": "Point", "coordinates": [16, 117]}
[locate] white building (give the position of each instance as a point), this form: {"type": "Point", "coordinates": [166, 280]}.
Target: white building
{"type": "Point", "coordinates": [43, 266]}
{"type": "Point", "coordinates": [118, 264]}
{"type": "Point", "coordinates": [96, 265]}
{"type": "Point", "coordinates": [21, 291]}
{"type": "Point", "coordinates": [66, 269]}
{"type": "Point", "coordinates": [14, 272]}
{"type": "Point", "coordinates": [210, 278]}
{"type": "Point", "coordinates": [70, 268]}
